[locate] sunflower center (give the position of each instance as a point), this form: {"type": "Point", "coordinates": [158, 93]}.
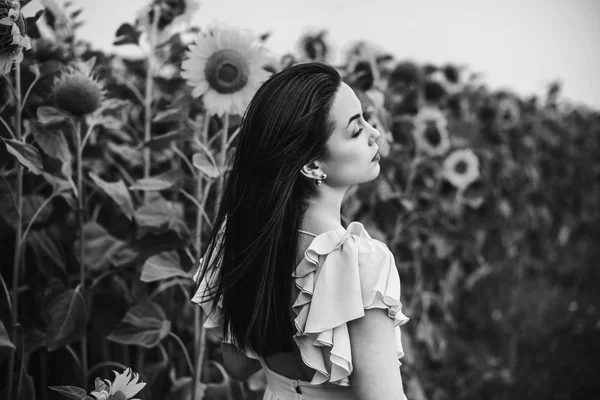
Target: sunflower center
{"type": "Point", "coordinates": [461, 167]}
{"type": "Point", "coordinates": [432, 134]}
{"type": "Point", "coordinates": [227, 71]}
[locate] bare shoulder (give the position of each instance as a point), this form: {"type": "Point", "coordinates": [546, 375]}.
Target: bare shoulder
{"type": "Point", "coordinates": [375, 374]}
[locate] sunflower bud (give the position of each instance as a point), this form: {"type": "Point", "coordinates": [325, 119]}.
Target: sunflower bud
{"type": "Point", "coordinates": [78, 92]}
{"type": "Point", "coordinates": [12, 35]}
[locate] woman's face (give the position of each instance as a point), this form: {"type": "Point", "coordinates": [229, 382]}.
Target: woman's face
{"type": "Point", "coordinates": [352, 152]}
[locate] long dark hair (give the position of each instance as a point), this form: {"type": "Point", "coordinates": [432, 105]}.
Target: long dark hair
{"type": "Point", "coordinates": [252, 256]}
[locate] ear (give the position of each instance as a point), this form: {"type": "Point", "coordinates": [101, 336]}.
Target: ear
{"type": "Point", "coordinates": [311, 170]}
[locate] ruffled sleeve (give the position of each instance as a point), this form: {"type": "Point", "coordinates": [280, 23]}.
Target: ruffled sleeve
{"type": "Point", "coordinates": [343, 273]}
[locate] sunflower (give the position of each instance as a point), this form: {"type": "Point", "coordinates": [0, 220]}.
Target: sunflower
{"type": "Point", "coordinates": [430, 133]}
{"type": "Point", "coordinates": [508, 113]}
{"type": "Point", "coordinates": [314, 44]}
{"type": "Point", "coordinates": [461, 168]}
{"type": "Point", "coordinates": [77, 91]}
{"type": "Point", "coordinates": [361, 58]}
{"type": "Point", "coordinates": [123, 387]}
{"type": "Point", "coordinates": [225, 67]}
{"type": "Point", "coordinates": [12, 35]}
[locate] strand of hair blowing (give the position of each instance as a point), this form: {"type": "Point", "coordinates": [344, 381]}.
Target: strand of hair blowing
{"type": "Point", "coordinates": [285, 126]}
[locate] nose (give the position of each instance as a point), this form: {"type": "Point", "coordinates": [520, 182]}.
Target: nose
{"type": "Point", "coordinates": [375, 135]}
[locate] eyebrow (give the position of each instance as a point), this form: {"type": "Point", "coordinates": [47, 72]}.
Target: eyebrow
{"type": "Point", "coordinates": [352, 118]}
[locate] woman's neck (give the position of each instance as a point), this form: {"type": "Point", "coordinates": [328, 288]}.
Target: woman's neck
{"type": "Point", "coordinates": [324, 212]}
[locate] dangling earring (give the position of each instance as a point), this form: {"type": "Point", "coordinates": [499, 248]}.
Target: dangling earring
{"type": "Point", "coordinates": [319, 181]}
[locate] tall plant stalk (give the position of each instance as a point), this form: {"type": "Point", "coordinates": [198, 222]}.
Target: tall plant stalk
{"type": "Point", "coordinates": [80, 224]}
{"type": "Point", "coordinates": [19, 230]}
{"type": "Point", "coordinates": [224, 140]}
{"type": "Point", "coordinates": [199, 333]}
{"type": "Point", "coordinates": [149, 91]}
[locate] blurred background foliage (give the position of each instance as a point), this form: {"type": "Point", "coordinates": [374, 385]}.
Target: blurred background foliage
{"type": "Point", "coordinates": [489, 201]}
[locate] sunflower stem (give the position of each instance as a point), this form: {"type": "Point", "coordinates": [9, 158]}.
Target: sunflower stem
{"type": "Point", "coordinates": [102, 364]}
{"type": "Point", "coordinates": [184, 350]}
{"type": "Point", "coordinates": [79, 166]}
{"type": "Point", "coordinates": [37, 78]}
{"type": "Point", "coordinates": [19, 228]}
{"type": "Point", "coordinates": [12, 134]}
{"type": "Point", "coordinates": [198, 328]}
{"type": "Point", "coordinates": [223, 152]}
{"type": "Point", "coordinates": [148, 93]}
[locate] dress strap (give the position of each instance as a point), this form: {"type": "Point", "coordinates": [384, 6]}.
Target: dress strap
{"type": "Point", "coordinates": [308, 233]}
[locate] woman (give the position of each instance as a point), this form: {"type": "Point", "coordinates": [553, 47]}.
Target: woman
{"type": "Point", "coordinates": [314, 304]}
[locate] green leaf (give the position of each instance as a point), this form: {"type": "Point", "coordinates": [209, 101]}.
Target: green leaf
{"type": "Point", "coordinates": [30, 205]}
{"type": "Point", "coordinates": [127, 34]}
{"type": "Point", "coordinates": [144, 325]}
{"type": "Point", "coordinates": [6, 346]}
{"type": "Point", "coordinates": [66, 315]}
{"type": "Point", "coordinates": [71, 392]}
{"type": "Point", "coordinates": [102, 249]}
{"type": "Point", "coordinates": [62, 186]}
{"type": "Point", "coordinates": [151, 184]}
{"type": "Point", "coordinates": [206, 165]}
{"type": "Point", "coordinates": [118, 192]}
{"type": "Point", "coordinates": [50, 115]}
{"type": "Point", "coordinates": [50, 67]}
{"type": "Point", "coordinates": [27, 155]}
{"type": "Point", "coordinates": [109, 122]}
{"type": "Point", "coordinates": [170, 115]}
{"type": "Point", "coordinates": [159, 182]}
{"type": "Point", "coordinates": [113, 104]}
{"type": "Point", "coordinates": [164, 141]}
{"type": "Point", "coordinates": [53, 143]}
{"type": "Point", "coordinates": [162, 266]}
{"type": "Point", "coordinates": [128, 154]}
{"type": "Point", "coordinates": [50, 258]}
{"type": "Point", "coordinates": [159, 215]}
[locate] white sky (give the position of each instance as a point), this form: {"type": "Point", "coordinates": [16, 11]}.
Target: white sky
{"type": "Point", "coordinates": [517, 44]}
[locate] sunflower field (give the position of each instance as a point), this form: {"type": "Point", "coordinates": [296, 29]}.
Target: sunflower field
{"type": "Point", "coordinates": [112, 169]}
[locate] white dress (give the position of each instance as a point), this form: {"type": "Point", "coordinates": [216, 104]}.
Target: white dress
{"type": "Point", "coordinates": [343, 273]}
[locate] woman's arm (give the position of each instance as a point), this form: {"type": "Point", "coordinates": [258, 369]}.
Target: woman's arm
{"type": "Point", "coordinates": [237, 364]}
{"type": "Point", "coordinates": [376, 374]}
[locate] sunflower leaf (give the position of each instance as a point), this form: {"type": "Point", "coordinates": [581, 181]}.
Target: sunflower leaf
{"type": "Point", "coordinates": [5, 342]}
{"type": "Point", "coordinates": [206, 165]}
{"type": "Point", "coordinates": [49, 254]}
{"type": "Point", "coordinates": [162, 266]}
{"type": "Point", "coordinates": [159, 215]}
{"type": "Point", "coordinates": [169, 115]}
{"type": "Point", "coordinates": [26, 154]}
{"type": "Point", "coordinates": [127, 34]}
{"type": "Point", "coordinates": [164, 141]}
{"type": "Point", "coordinates": [67, 317]}
{"type": "Point", "coordinates": [71, 392]}
{"type": "Point", "coordinates": [144, 325]}
{"type": "Point", "coordinates": [159, 182]}
{"type": "Point", "coordinates": [53, 143]}
{"type": "Point", "coordinates": [116, 191]}
{"type": "Point", "coordinates": [50, 115]}
{"type": "Point", "coordinates": [102, 249]}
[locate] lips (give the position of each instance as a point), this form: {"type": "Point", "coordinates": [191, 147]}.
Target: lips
{"type": "Point", "coordinates": [377, 157]}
